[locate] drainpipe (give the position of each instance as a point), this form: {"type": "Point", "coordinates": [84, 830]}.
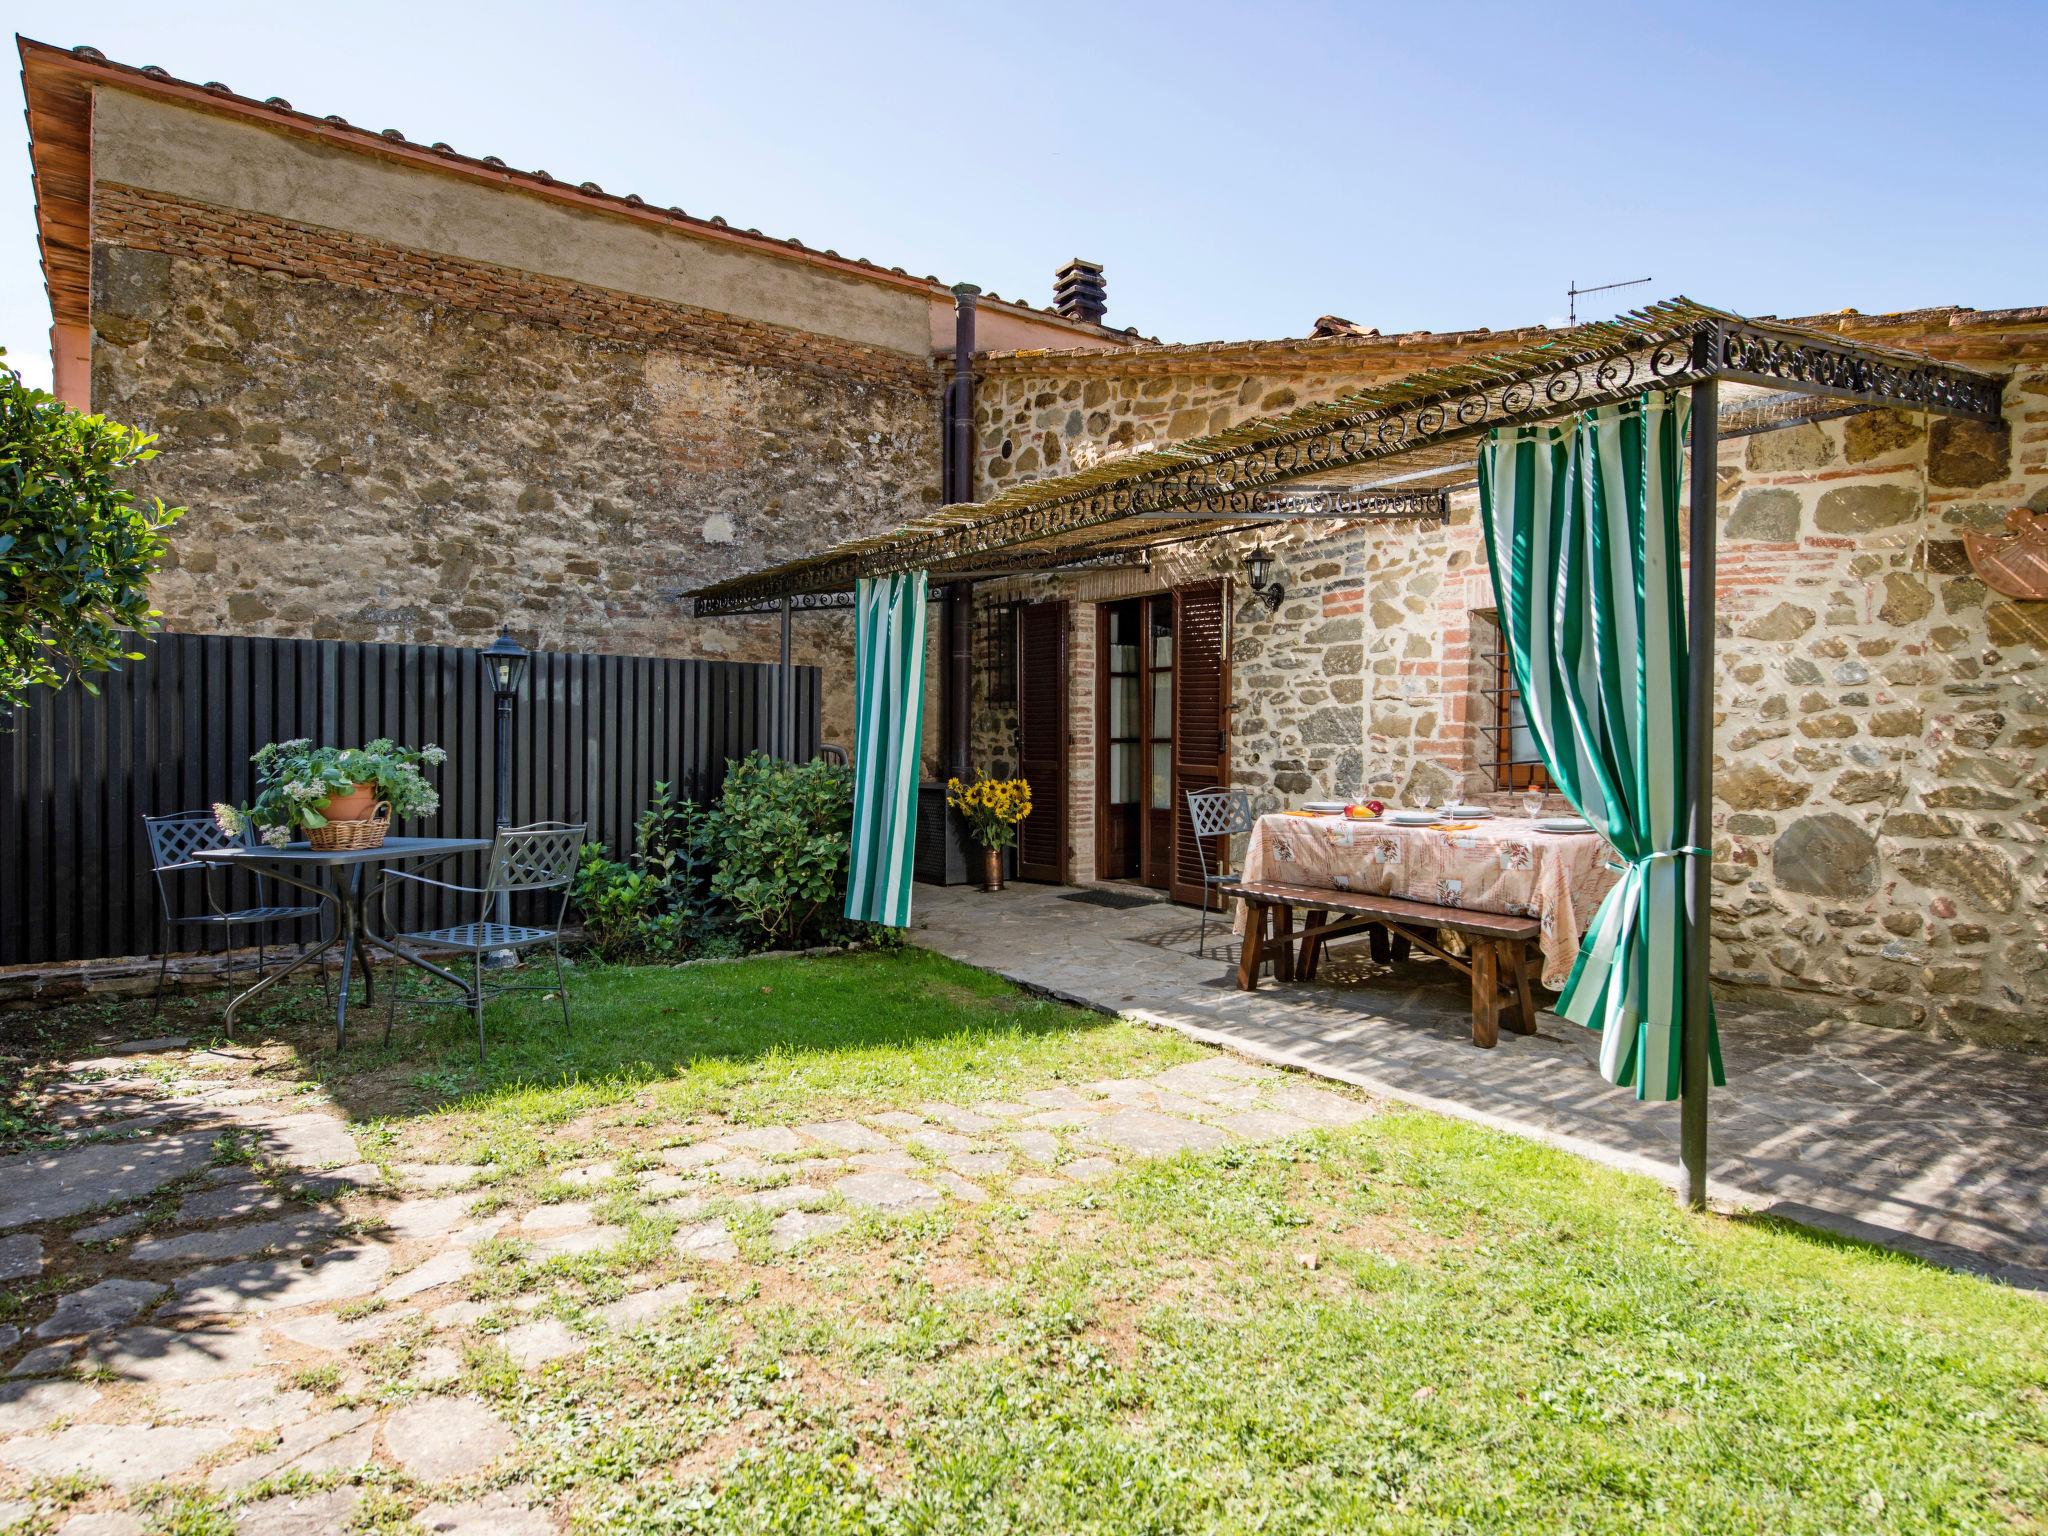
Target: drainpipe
{"type": "Point", "coordinates": [955, 651]}
{"type": "Point", "coordinates": [960, 399]}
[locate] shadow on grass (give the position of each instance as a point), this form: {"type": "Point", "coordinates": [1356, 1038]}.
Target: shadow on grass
{"type": "Point", "coordinates": [833, 1024]}
{"type": "Point", "coordinates": [1830, 1233]}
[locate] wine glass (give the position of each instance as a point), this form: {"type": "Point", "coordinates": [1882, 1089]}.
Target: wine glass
{"type": "Point", "coordinates": [1532, 804]}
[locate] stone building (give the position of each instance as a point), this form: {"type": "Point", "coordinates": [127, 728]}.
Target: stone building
{"type": "Point", "coordinates": [1882, 766]}
{"type": "Point", "coordinates": [411, 395]}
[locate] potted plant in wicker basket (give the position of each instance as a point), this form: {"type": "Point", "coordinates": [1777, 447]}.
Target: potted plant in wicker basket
{"type": "Point", "coordinates": [993, 807]}
{"type": "Point", "coordinates": [339, 797]}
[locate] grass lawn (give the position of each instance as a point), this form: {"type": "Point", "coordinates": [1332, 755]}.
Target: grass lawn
{"type": "Point", "coordinates": [1409, 1324]}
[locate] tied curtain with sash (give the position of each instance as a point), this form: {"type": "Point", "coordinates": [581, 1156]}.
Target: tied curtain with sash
{"type": "Point", "coordinates": [1581, 524]}
{"type": "Point", "coordinates": [888, 737]}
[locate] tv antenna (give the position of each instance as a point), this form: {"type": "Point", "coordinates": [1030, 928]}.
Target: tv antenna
{"type": "Point", "coordinates": [1572, 293]}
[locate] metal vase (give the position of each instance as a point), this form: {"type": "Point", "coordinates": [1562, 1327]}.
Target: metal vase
{"type": "Point", "coordinates": [991, 869]}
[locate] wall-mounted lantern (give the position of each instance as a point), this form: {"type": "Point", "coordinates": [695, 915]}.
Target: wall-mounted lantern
{"type": "Point", "coordinates": [1258, 565]}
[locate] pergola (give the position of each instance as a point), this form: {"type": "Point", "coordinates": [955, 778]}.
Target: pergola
{"type": "Point", "coordinates": [1396, 450]}
{"type": "Point", "coordinates": [1391, 450]}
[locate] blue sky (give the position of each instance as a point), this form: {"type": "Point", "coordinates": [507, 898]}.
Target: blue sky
{"type": "Point", "coordinates": [1239, 170]}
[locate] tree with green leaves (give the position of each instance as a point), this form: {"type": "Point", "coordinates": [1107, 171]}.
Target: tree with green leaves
{"type": "Point", "coordinates": [76, 551]}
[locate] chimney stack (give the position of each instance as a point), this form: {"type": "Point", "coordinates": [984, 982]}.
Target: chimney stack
{"type": "Point", "coordinates": [1078, 291]}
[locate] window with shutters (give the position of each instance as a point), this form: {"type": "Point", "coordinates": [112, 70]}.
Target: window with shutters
{"type": "Point", "coordinates": [1201, 737]}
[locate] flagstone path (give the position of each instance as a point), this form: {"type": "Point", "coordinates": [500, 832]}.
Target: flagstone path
{"type": "Point", "coordinates": [212, 1268]}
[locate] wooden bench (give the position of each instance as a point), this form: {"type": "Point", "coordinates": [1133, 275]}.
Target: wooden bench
{"type": "Point", "coordinates": [1499, 961]}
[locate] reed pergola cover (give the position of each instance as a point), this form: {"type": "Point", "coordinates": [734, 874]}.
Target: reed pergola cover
{"type": "Point", "coordinates": [1390, 449]}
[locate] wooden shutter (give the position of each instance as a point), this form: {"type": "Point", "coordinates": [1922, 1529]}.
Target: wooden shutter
{"type": "Point", "coordinates": [1201, 717]}
{"type": "Point", "coordinates": [1042, 740]}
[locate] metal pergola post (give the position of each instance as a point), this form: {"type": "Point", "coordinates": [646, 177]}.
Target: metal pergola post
{"type": "Point", "coordinates": [785, 694]}
{"type": "Point", "coordinates": [1699, 830]}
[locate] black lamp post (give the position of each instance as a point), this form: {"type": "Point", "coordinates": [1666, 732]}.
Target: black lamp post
{"type": "Point", "coordinates": [505, 665]}
{"type": "Point", "coordinates": [505, 662]}
{"type": "Point", "coordinates": [1258, 565]}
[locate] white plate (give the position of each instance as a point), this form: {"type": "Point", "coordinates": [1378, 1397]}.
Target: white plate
{"type": "Point", "coordinates": [1325, 807]}
{"type": "Point", "coordinates": [1413, 818]}
{"type": "Point", "coordinates": [1466, 812]}
{"type": "Point", "coordinates": [1564, 824]}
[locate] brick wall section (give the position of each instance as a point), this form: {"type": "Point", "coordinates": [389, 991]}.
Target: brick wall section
{"type": "Point", "coordinates": [1882, 729]}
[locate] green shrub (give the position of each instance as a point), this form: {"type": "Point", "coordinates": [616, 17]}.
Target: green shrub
{"type": "Point", "coordinates": [784, 847]}
{"type": "Point", "coordinates": [675, 843]}
{"type": "Point", "coordinates": [658, 904]}
{"type": "Point", "coordinates": [76, 553]}
{"type": "Point", "coordinates": [617, 905]}
{"type": "Point", "coordinates": [765, 868]}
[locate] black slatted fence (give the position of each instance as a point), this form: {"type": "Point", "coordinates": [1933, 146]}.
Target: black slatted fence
{"type": "Point", "coordinates": [174, 732]}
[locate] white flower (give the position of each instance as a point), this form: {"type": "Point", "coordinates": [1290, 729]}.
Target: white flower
{"type": "Point", "coordinates": [227, 818]}
{"type": "Point", "coordinates": [430, 804]}
{"type": "Point", "coordinates": [277, 837]}
{"type": "Point", "coordinates": [301, 789]}
{"type": "Point", "coordinates": [433, 756]}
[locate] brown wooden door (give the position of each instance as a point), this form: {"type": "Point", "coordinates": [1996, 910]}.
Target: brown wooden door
{"type": "Point", "coordinates": [1158, 754]}
{"type": "Point", "coordinates": [1042, 740]}
{"type": "Point", "coordinates": [1118, 814]}
{"type": "Point", "coordinates": [1201, 717]}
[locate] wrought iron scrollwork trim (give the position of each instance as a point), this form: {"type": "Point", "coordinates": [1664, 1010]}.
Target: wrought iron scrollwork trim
{"type": "Point", "coordinates": [1754, 355]}
{"type": "Point", "coordinates": [756, 603]}
{"type": "Point", "coordinates": [1230, 477]}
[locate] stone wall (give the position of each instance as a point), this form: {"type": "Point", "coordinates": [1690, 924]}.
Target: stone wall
{"type": "Point", "coordinates": [1357, 684]}
{"type": "Point", "coordinates": [1884, 724]}
{"type": "Point", "coordinates": [1883, 719]}
{"type": "Point", "coordinates": [378, 444]}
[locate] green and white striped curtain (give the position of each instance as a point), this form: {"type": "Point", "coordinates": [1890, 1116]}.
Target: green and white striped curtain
{"type": "Point", "coordinates": [888, 740]}
{"type": "Point", "coordinates": [1581, 522]}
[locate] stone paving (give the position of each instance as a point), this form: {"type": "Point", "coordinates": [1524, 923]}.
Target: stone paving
{"type": "Point", "coordinates": [1927, 1145]}
{"type": "Point", "coordinates": [227, 1266]}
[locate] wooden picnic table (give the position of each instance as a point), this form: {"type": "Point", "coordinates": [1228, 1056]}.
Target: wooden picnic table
{"type": "Point", "coordinates": [1499, 864]}
{"type": "Point", "coordinates": [1496, 960]}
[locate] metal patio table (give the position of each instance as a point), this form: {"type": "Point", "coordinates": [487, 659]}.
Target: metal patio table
{"type": "Point", "coordinates": [347, 879]}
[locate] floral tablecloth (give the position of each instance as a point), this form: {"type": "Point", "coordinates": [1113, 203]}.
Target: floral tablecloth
{"type": "Point", "coordinates": [1502, 864]}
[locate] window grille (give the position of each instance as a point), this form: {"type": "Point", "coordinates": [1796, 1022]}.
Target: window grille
{"type": "Point", "coordinates": [1509, 745]}
{"type": "Point", "coordinates": [995, 650]}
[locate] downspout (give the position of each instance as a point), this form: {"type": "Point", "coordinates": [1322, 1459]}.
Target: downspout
{"type": "Point", "coordinates": [955, 653]}
{"type": "Point", "coordinates": [959, 482]}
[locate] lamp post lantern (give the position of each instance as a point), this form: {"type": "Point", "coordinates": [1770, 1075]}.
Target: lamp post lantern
{"type": "Point", "coordinates": [504, 662]}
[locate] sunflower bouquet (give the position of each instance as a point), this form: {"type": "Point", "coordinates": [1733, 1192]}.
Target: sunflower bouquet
{"type": "Point", "coordinates": [993, 807]}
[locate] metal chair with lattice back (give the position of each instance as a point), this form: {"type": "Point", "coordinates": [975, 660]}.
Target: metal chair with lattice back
{"type": "Point", "coordinates": [522, 860]}
{"type": "Point", "coordinates": [173, 840]}
{"type": "Point", "coordinates": [1221, 814]}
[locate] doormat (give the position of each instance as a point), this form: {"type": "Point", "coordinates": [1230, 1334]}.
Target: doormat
{"type": "Point", "coordinates": [1117, 899]}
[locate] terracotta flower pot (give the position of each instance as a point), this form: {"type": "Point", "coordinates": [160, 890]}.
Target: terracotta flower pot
{"type": "Point", "coordinates": [356, 805]}
{"type": "Point", "coordinates": [991, 869]}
